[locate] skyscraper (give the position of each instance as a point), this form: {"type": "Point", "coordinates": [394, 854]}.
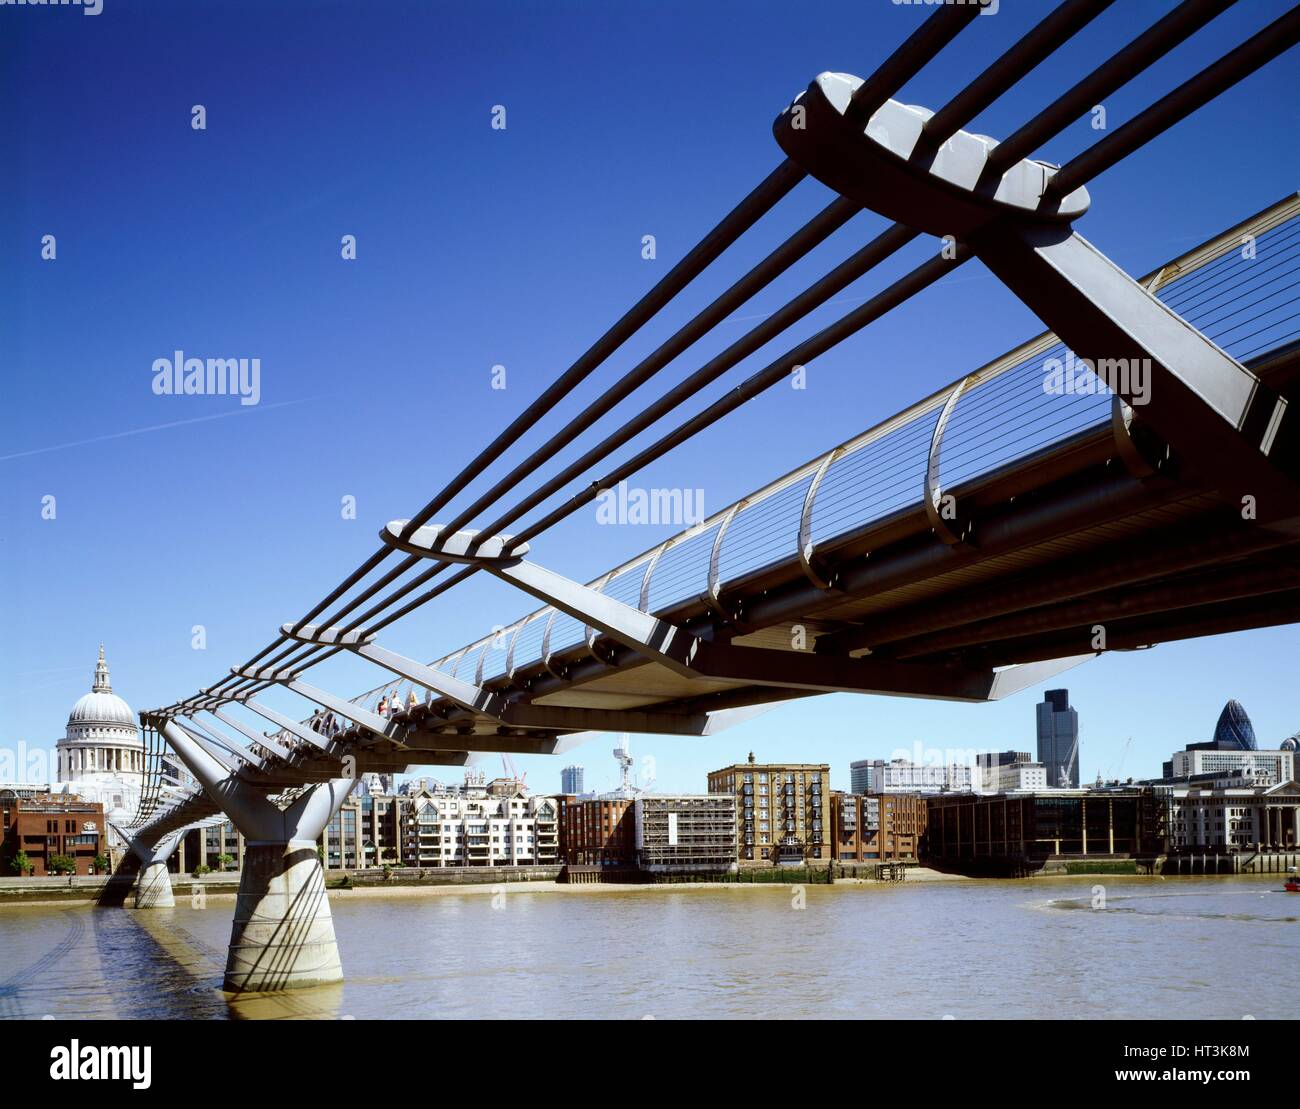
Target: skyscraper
{"type": "Point", "coordinates": [1234, 729]}
{"type": "Point", "coordinates": [571, 780]}
{"type": "Point", "coordinates": [1058, 739]}
{"type": "Point", "coordinates": [860, 775]}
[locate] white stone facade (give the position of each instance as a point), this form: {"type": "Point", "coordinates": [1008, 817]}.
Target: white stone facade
{"type": "Point", "coordinates": [101, 756]}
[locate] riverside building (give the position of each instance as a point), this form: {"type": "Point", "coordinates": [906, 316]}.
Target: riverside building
{"type": "Point", "coordinates": [45, 826]}
{"type": "Point", "coordinates": [1231, 813]}
{"type": "Point", "coordinates": [599, 831]}
{"type": "Point", "coordinates": [431, 827]}
{"type": "Point", "coordinates": [782, 811]}
{"type": "Point", "coordinates": [472, 827]}
{"type": "Point", "coordinates": [1032, 828]}
{"type": "Point", "coordinates": [879, 827]}
{"type": "Point", "coordinates": [687, 834]}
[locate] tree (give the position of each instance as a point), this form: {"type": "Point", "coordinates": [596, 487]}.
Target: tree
{"type": "Point", "coordinates": [225, 860]}
{"type": "Point", "coordinates": [21, 862]}
{"type": "Point", "coordinates": [100, 863]}
{"type": "Point", "coordinates": [62, 864]}
{"type": "Point", "coordinates": [201, 870]}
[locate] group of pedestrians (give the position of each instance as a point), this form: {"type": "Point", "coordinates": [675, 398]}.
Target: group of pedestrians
{"type": "Point", "coordinates": [390, 704]}
{"type": "Point", "coordinates": [324, 723]}
{"type": "Point", "coordinates": [327, 724]}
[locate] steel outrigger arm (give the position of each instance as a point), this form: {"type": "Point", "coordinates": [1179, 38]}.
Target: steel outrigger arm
{"type": "Point", "coordinates": [483, 702]}
{"type": "Point", "coordinates": [693, 656]}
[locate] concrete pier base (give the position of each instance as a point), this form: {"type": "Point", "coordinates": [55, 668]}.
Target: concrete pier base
{"type": "Point", "coordinates": [153, 887]}
{"type": "Point", "coordinates": [153, 890]}
{"type": "Point", "coordinates": [283, 934]}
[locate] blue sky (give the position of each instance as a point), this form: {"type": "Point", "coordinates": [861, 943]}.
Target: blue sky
{"type": "Point", "coordinates": [479, 247]}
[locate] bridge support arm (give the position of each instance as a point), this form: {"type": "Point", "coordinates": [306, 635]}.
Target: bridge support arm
{"type": "Point", "coordinates": [1219, 417]}
{"type": "Point", "coordinates": [678, 650]}
{"type": "Point", "coordinates": [482, 702]}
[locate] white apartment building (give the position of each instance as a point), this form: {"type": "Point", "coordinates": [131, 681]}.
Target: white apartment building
{"type": "Point", "coordinates": [902, 776]}
{"type": "Point", "coordinates": [469, 827]}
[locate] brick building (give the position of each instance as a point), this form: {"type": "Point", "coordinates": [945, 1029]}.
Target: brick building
{"type": "Point", "coordinates": [598, 831]}
{"type": "Point", "coordinates": [782, 810]}
{"type": "Point", "coordinates": [881, 827]}
{"type": "Point", "coordinates": [46, 825]}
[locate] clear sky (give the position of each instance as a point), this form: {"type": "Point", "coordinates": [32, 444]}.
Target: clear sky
{"type": "Point", "coordinates": [478, 247]}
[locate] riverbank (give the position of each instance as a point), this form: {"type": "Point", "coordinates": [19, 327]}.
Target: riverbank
{"type": "Point", "coordinates": [87, 890]}
{"type": "Point", "coordinates": [219, 888]}
{"type": "Point", "coordinates": [224, 887]}
{"type": "Point", "coordinates": [914, 875]}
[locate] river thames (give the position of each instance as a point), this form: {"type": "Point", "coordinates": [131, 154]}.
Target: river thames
{"type": "Point", "coordinates": [1177, 947]}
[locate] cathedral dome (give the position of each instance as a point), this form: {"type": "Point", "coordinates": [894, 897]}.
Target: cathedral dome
{"type": "Point", "coordinates": [101, 712]}
{"type": "Point", "coordinates": [101, 708]}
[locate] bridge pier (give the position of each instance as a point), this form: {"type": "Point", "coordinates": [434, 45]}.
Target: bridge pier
{"type": "Point", "coordinates": [153, 888]}
{"type": "Point", "coordinates": [282, 936]}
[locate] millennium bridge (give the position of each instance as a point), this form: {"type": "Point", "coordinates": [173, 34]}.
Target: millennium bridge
{"type": "Point", "coordinates": [1128, 478]}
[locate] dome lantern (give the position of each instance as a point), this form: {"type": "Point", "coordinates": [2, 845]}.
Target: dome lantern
{"type": "Point", "coordinates": [101, 712]}
{"type": "Point", "coordinates": [101, 683]}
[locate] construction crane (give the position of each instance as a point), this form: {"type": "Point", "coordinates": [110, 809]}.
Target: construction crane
{"type": "Point", "coordinates": [512, 771]}
{"type": "Point", "coordinates": [624, 757]}
{"type": "Point", "coordinates": [1067, 768]}
{"type": "Point", "coordinates": [1119, 766]}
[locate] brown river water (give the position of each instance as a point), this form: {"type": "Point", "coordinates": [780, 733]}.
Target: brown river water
{"type": "Point", "coordinates": [1177, 947]}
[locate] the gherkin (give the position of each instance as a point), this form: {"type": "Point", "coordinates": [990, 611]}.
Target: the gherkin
{"type": "Point", "coordinates": [1234, 729]}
